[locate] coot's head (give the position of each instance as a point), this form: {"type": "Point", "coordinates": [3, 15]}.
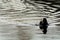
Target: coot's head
{"type": "Point", "coordinates": [44, 20]}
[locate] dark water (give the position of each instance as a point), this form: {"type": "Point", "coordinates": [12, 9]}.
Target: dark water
{"type": "Point", "coordinates": [20, 24]}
